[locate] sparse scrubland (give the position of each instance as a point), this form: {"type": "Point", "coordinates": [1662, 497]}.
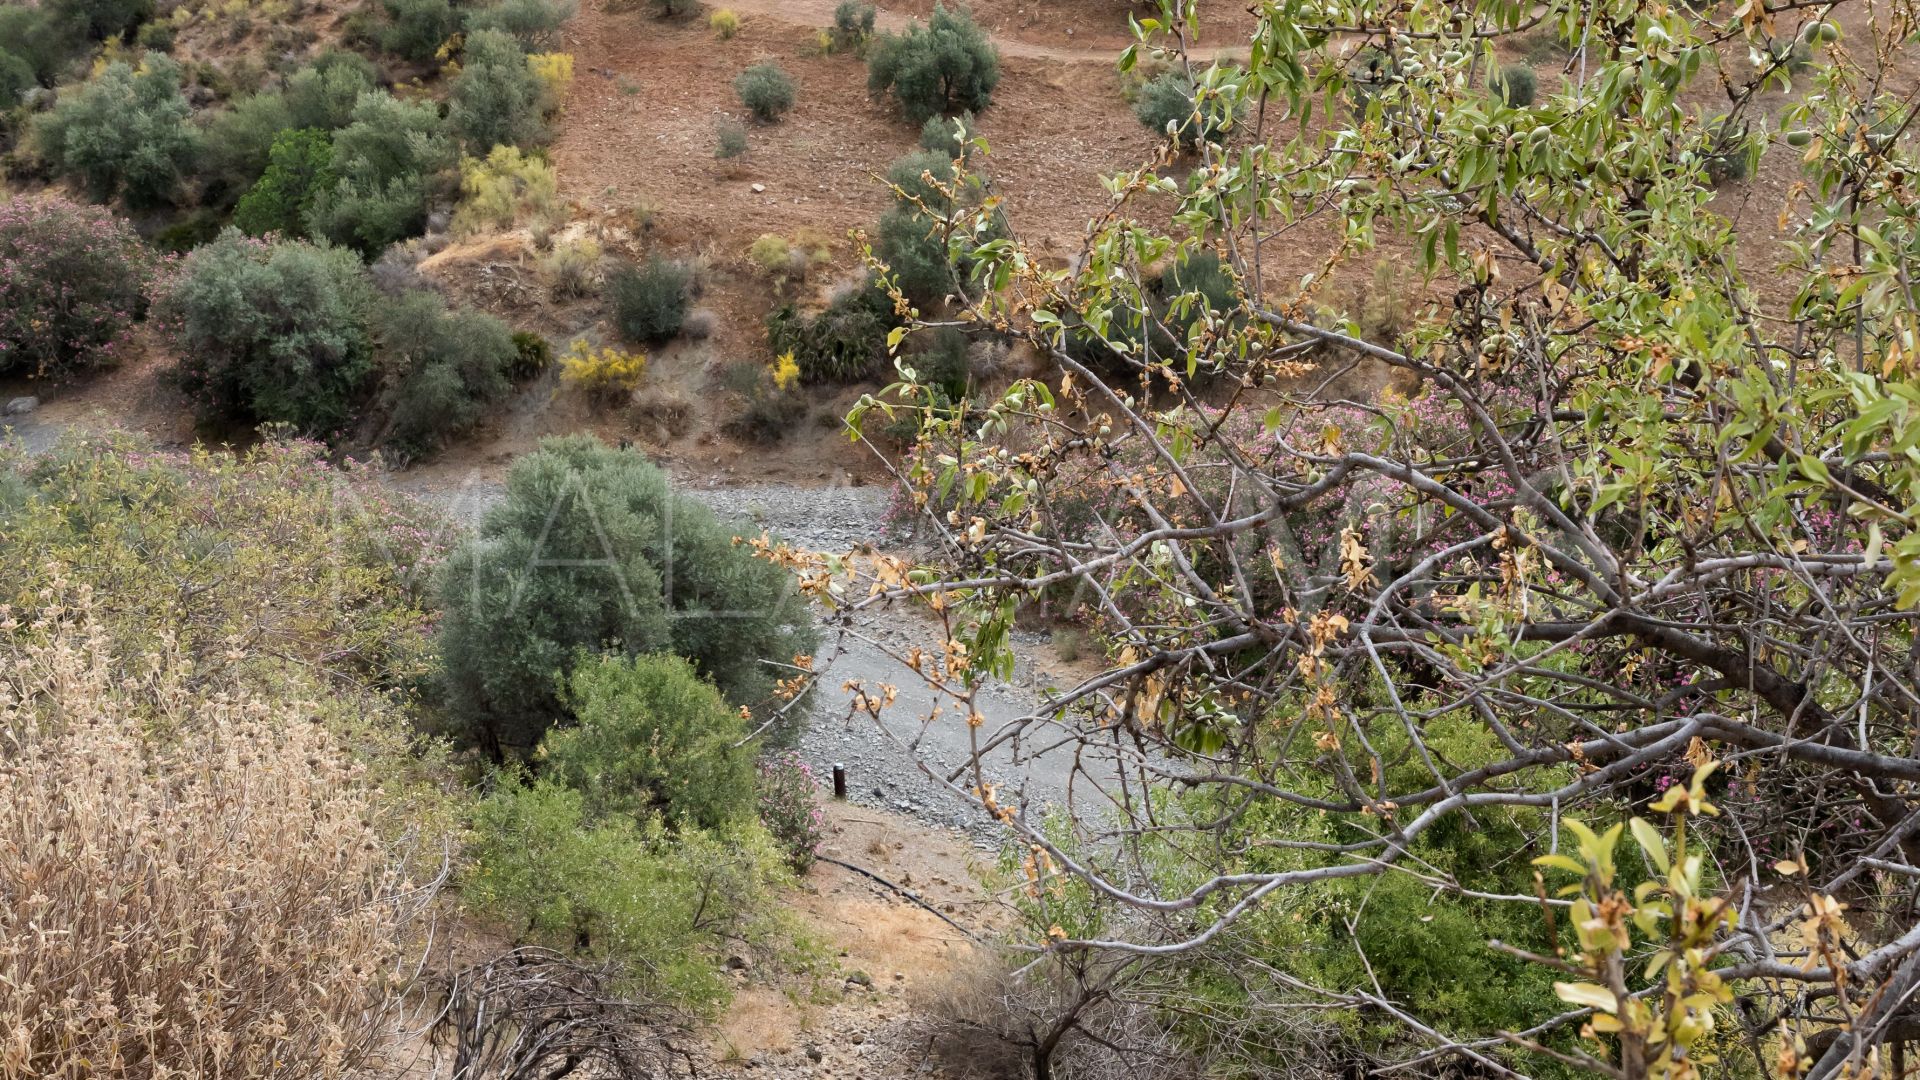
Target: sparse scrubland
{"type": "Point", "coordinates": [1462, 458]}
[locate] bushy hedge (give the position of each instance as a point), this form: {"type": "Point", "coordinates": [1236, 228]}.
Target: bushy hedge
{"type": "Point", "coordinates": [652, 737]}
{"type": "Point", "coordinates": [536, 23]}
{"type": "Point", "coordinates": [844, 343]}
{"type": "Point", "coordinates": [1170, 102]}
{"type": "Point", "coordinates": [1516, 84]}
{"type": "Point", "coordinates": [441, 369]}
{"type": "Point", "coordinates": [16, 78]}
{"type": "Point", "coordinates": [496, 100]}
{"type": "Point", "coordinates": [505, 187]}
{"type": "Point", "coordinates": [71, 282]}
{"type": "Point", "coordinates": [386, 164]}
{"type": "Point", "coordinates": [666, 906]}
{"type": "Point", "coordinates": [591, 550]}
{"type": "Point", "coordinates": [650, 300]}
{"type": "Point", "coordinates": [910, 174]}
{"type": "Point", "coordinates": [910, 237]}
{"type": "Point", "coordinates": [765, 90]}
{"type": "Point", "coordinates": [238, 141]}
{"type": "Point", "coordinates": [36, 39]}
{"type": "Point", "coordinates": [324, 94]}
{"type": "Point", "coordinates": [125, 132]}
{"type": "Point", "coordinates": [941, 68]}
{"type": "Point", "coordinates": [99, 19]}
{"type": "Point", "coordinates": [852, 25]}
{"type": "Point", "coordinates": [271, 333]}
{"type": "Point", "coordinates": [320, 96]}
{"type": "Point", "coordinates": [940, 135]}
{"type": "Point", "coordinates": [299, 167]}
{"type": "Point", "coordinates": [915, 253]}
{"type": "Point", "coordinates": [417, 28]}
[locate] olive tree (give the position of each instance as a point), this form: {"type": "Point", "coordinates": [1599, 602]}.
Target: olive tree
{"type": "Point", "coordinates": [592, 552]}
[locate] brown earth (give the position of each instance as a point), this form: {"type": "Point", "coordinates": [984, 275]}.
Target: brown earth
{"type": "Point", "coordinates": [885, 952]}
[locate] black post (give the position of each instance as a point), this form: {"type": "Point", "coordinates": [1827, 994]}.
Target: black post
{"type": "Point", "coordinates": [839, 781]}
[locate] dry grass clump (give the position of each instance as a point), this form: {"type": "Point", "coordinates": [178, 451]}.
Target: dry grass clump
{"type": "Point", "coordinates": [193, 880]}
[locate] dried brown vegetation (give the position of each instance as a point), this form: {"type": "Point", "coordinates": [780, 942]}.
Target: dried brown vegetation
{"type": "Point", "coordinates": [196, 882]}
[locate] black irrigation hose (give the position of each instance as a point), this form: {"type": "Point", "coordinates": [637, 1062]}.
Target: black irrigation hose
{"type": "Point", "coordinates": [903, 891]}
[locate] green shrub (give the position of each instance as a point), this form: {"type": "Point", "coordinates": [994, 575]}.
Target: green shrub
{"type": "Point", "coordinates": [938, 69]}
{"type": "Point", "coordinates": [535, 23]}
{"type": "Point", "coordinates": [1177, 300]}
{"type": "Point", "coordinates": [731, 138]}
{"type": "Point", "coordinates": [188, 231]}
{"type": "Point", "coordinates": [724, 24]}
{"type": "Point", "coordinates": [125, 132]}
{"type": "Point", "coordinates": [34, 36]}
{"type": "Point", "coordinates": [666, 906]}
{"type": "Point", "coordinates": [239, 139]}
{"type": "Point", "coordinates": [938, 135]}
{"type": "Point", "coordinates": [1730, 154]}
{"type": "Point", "coordinates": [776, 256]}
{"type": "Point", "coordinates": [651, 737]}
{"type": "Point", "coordinates": [532, 356]}
{"type": "Point", "coordinates": [916, 256]}
{"type": "Point", "coordinates": [271, 333]}
{"type": "Point", "coordinates": [1516, 84]}
{"type": "Point", "coordinates": [765, 90]}
{"type": "Point", "coordinates": [100, 19]}
{"type": "Point", "coordinates": [323, 95]}
{"type": "Point", "coordinates": [1169, 102]}
{"type": "Point", "coordinates": [16, 78]}
{"type": "Point", "coordinates": [71, 279]}
{"type": "Point", "coordinates": [844, 343]}
{"type": "Point", "coordinates": [650, 300]}
{"type": "Point", "coordinates": [386, 164]}
{"type": "Point", "coordinates": [416, 29]}
{"type": "Point", "coordinates": [441, 369]}
{"type": "Point", "coordinates": [852, 25]}
{"type": "Point", "coordinates": [156, 36]}
{"type": "Point", "coordinates": [910, 175]}
{"type": "Point", "coordinates": [208, 549]}
{"type": "Point", "coordinates": [299, 167]}
{"type": "Point", "coordinates": [940, 360]}
{"type": "Point", "coordinates": [1202, 275]}
{"type": "Point", "coordinates": [496, 100]}
{"type": "Point", "coordinates": [591, 549]}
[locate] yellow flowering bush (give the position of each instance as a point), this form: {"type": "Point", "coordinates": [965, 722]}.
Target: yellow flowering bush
{"type": "Point", "coordinates": [605, 374]}
{"type": "Point", "coordinates": [505, 187]}
{"type": "Point", "coordinates": [555, 72]}
{"type": "Point", "coordinates": [786, 372]}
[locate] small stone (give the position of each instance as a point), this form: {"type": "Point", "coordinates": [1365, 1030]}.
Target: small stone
{"type": "Point", "coordinates": [758, 188]}
{"type": "Point", "coordinates": [814, 1054]}
{"type": "Point", "coordinates": [21, 406]}
{"type": "Point", "coordinates": [859, 1037]}
{"type": "Point", "coordinates": [860, 978]}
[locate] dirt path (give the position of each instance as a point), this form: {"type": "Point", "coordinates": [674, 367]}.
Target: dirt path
{"type": "Point", "coordinates": [820, 13]}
